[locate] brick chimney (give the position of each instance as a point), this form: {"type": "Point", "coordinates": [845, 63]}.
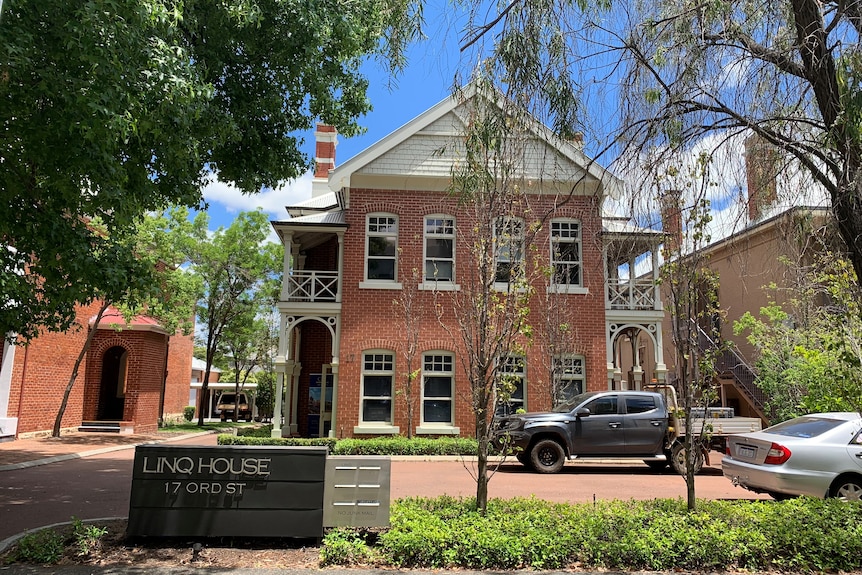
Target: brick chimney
{"type": "Point", "coordinates": [761, 164]}
{"type": "Point", "coordinates": [671, 219]}
{"type": "Point", "coordinates": [326, 139]}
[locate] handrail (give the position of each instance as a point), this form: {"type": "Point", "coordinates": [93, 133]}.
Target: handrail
{"type": "Point", "coordinates": [311, 286]}
{"type": "Point", "coordinates": [730, 361]}
{"type": "Point", "coordinates": [631, 295]}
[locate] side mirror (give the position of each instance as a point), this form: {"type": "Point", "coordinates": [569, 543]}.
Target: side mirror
{"type": "Point", "coordinates": [582, 412]}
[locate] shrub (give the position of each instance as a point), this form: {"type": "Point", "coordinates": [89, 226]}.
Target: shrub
{"type": "Point", "coordinates": [87, 538]}
{"type": "Point", "coordinates": [378, 446]}
{"type": "Point", "coordinates": [188, 413]}
{"type": "Point", "coordinates": [45, 546]}
{"type": "Point", "coordinates": [398, 445]}
{"type": "Point", "coordinates": [802, 535]}
{"type": "Point", "coordinates": [344, 546]}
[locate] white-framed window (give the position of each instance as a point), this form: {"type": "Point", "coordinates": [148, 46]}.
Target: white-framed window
{"type": "Point", "coordinates": [508, 249]}
{"type": "Point", "coordinates": [438, 389]}
{"type": "Point", "coordinates": [378, 378]}
{"type": "Point", "coordinates": [439, 249]}
{"type": "Point", "coordinates": [511, 384]}
{"type": "Point", "coordinates": [569, 378]}
{"type": "Point", "coordinates": [381, 255]}
{"type": "Point", "coordinates": [566, 252]}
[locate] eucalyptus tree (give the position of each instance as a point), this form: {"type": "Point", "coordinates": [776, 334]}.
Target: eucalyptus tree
{"type": "Point", "coordinates": [787, 71]}
{"type": "Point", "coordinates": [110, 110]}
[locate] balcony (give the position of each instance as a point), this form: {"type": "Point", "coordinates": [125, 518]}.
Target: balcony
{"type": "Point", "coordinates": [311, 286]}
{"type": "Point", "coordinates": [636, 295]}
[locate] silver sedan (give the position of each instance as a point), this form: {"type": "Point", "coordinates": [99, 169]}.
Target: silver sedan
{"type": "Point", "coordinates": [818, 455]}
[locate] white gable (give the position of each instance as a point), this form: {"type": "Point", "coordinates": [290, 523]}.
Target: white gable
{"type": "Point", "coordinates": [421, 154]}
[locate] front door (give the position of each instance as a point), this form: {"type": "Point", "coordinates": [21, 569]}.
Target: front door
{"type": "Point", "coordinates": [112, 388]}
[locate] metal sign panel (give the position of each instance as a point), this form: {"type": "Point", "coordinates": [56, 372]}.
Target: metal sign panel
{"type": "Point", "coordinates": [357, 491]}
{"type": "Point", "coordinates": [231, 490]}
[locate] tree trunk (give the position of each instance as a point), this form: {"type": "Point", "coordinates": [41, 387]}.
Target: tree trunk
{"type": "Point", "coordinates": [84, 349]}
{"type": "Point", "coordinates": [847, 208]}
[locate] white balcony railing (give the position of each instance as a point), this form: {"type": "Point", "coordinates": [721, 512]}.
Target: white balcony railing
{"type": "Point", "coordinates": [631, 295]}
{"type": "Point", "coordinates": [311, 286]}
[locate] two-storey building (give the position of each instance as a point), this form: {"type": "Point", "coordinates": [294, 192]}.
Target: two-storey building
{"type": "Point", "coordinates": [385, 223]}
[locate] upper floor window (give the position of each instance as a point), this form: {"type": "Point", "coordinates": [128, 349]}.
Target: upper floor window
{"type": "Point", "coordinates": [438, 388]}
{"type": "Point", "coordinates": [508, 249]}
{"type": "Point", "coordinates": [378, 378]}
{"type": "Point", "coordinates": [568, 378]}
{"type": "Point", "coordinates": [439, 249]}
{"type": "Point", "coordinates": [382, 246]}
{"type": "Point", "coordinates": [511, 385]}
{"type": "Point", "coordinates": [566, 252]}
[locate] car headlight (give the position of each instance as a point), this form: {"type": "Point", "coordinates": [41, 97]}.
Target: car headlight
{"type": "Point", "coordinates": [508, 424]}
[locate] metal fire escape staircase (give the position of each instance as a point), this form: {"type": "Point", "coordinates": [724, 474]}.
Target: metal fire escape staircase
{"type": "Point", "coordinates": [729, 364]}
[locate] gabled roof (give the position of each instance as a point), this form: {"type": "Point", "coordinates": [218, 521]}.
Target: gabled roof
{"type": "Point", "coordinates": [441, 123]}
{"type": "Point", "coordinates": [113, 319]}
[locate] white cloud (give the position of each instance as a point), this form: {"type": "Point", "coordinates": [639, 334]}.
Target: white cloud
{"type": "Point", "coordinates": [271, 201]}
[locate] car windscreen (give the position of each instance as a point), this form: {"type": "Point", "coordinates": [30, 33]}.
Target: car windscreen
{"type": "Point", "coordinates": [804, 427]}
{"type": "Point", "coordinates": [575, 401]}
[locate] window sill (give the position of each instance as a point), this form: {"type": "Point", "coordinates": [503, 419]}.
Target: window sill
{"type": "Point", "coordinates": [568, 289]}
{"type": "Point", "coordinates": [371, 429]}
{"type": "Point", "coordinates": [439, 286]}
{"type": "Point", "coordinates": [504, 287]}
{"type": "Point", "coordinates": [442, 430]}
{"type": "Point", "coordinates": [373, 284]}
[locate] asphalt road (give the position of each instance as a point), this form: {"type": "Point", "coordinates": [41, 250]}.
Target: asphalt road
{"type": "Point", "coordinates": [99, 486]}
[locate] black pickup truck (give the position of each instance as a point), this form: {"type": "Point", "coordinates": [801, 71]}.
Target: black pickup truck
{"type": "Point", "coordinates": [643, 425]}
{"type": "Point", "coordinates": [596, 424]}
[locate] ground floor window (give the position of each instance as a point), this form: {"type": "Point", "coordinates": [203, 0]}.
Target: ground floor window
{"type": "Point", "coordinates": [437, 388]}
{"type": "Point", "coordinates": [510, 385]}
{"type": "Point", "coordinates": [378, 375]}
{"type": "Point", "coordinates": [568, 378]}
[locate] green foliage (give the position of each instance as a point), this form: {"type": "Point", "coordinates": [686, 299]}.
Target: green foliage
{"type": "Point", "coordinates": [225, 439]}
{"type": "Point", "coordinates": [86, 537]}
{"type": "Point", "coordinates": [189, 412]}
{"type": "Point", "coordinates": [48, 546]}
{"type": "Point", "coordinates": [800, 535]}
{"type": "Point", "coordinates": [376, 446]}
{"type": "Point", "coordinates": [403, 446]}
{"type": "Point", "coordinates": [45, 546]}
{"type": "Point", "coordinates": [345, 547]}
{"type": "Point", "coordinates": [808, 354]}
{"type": "Point", "coordinates": [204, 89]}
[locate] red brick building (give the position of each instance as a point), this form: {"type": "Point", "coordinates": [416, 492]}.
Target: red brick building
{"type": "Point", "coordinates": [131, 376]}
{"type": "Point", "coordinates": [384, 223]}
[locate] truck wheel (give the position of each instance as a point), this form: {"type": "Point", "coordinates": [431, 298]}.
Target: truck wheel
{"type": "Point", "coordinates": [677, 459]}
{"type": "Point", "coordinates": [547, 456]}
{"type": "Point", "coordinates": [656, 464]}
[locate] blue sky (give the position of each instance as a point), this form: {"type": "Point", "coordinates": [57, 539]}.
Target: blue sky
{"type": "Point", "coordinates": [426, 80]}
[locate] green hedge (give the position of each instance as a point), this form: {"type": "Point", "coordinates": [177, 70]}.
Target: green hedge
{"type": "Point", "coordinates": [801, 535]}
{"type": "Point", "coordinates": [377, 446]}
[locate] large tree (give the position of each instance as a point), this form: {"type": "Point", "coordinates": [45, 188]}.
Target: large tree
{"type": "Point", "coordinates": [787, 71]}
{"type": "Point", "coordinates": [234, 265]}
{"type": "Point", "coordinates": [110, 109]}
